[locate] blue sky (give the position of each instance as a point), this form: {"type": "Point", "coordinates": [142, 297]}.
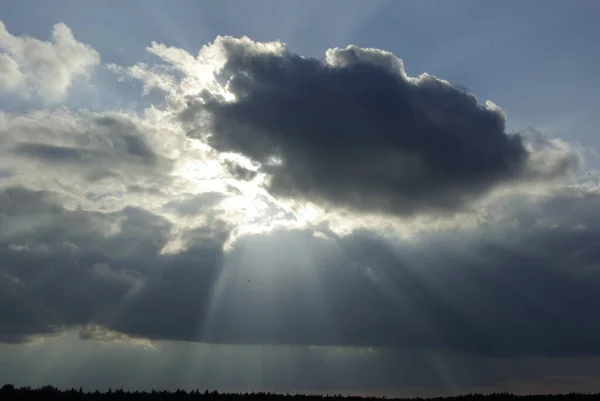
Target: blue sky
{"type": "Point", "coordinates": [323, 206]}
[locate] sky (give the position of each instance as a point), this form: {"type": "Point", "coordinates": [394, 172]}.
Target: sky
{"type": "Point", "coordinates": [360, 197]}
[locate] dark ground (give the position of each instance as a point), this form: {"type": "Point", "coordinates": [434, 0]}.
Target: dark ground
{"type": "Point", "coordinates": [9, 393]}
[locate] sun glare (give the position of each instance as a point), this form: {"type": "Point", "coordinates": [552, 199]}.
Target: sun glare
{"type": "Point", "coordinates": [308, 214]}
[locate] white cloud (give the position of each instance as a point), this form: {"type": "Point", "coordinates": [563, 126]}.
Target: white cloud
{"type": "Point", "coordinates": [152, 78]}
{"type": "Point", "coordinates": [11, 77]}
{"type": "Point", "coordinates": [45, 69]}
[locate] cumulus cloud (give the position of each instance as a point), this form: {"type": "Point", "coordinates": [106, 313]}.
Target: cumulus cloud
{"type": "Point", "coordinates": [45, 69]}
{"type": "Point", "coordinates": [354, 131]}
{"type": "Point", "coordinates": [11, 76]}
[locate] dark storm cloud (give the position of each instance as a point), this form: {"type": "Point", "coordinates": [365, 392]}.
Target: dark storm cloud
{"type": "Point", "coordinates": [62, 268]}
{"type": "Point", "coordinates": [356, 132]}
{"type": "Point", "coordinates": [532, 291]}
{"type": "Point", "coordinates": [526, 286]}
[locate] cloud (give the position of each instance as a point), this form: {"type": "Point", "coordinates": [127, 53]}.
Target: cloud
{"type": "Point", "coordinates": [196, 204]}
{"type": "Point", "coordinates": [152, 78]}
{"type": "Point", "coordinates": [154, 225]}
{"type": "Point", "coordinates": [63, 268]}
{"type": "Point", "coordinates": [91, 156]}
{"type": "Point", "coordinates": [11, 76]}
{"type": "Point", "coordinates": [98, 333]}
{"type": "Point", "coordinates": [524, 286]}
{"type": "Point", "coordinates": [354, 131]}
{"type": "Point", "coordinates": [31, 67]}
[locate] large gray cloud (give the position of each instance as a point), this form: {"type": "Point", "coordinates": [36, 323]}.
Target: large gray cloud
{"type": "Point", "coordinates": [355, 131]}
{"type": "Point", "coordinates": [530, 292]}
{"type": "Point", "coordinates": [526, 286]}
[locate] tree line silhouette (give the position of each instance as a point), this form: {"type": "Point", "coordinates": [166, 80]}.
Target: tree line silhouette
{"type": "Point", "coordinates": [9, 393]}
